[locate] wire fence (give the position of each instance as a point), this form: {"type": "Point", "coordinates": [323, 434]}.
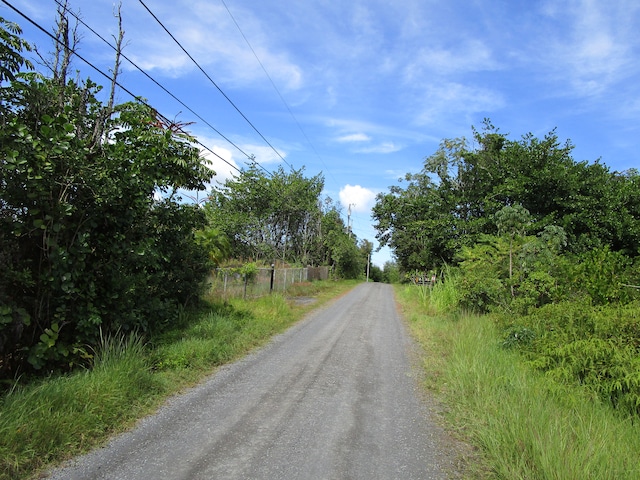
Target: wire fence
{"type": "Point", "coordinates": [227, 283]}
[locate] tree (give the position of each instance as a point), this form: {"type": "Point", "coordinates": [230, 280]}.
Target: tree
{"type": "Point", "coordinates": [513, 222]}
{"type": "Point", "coordinates": [390, 272]}
{"type": "Point", "coordinates": [268, 217]}
{"type": "Point", "coordinates": [451, 202]}
{"type": "Point", "coordinates": [85, 248]}
{"type": "Point", "coordinates": [366, 249]}
{"type": "Point", "coordinates": [416, 222]}
{"type": "Point", "coordinates": [11, 48]}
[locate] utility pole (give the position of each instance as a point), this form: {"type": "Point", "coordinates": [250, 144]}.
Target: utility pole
{"type": "Point", "coordinates": [368, 262]}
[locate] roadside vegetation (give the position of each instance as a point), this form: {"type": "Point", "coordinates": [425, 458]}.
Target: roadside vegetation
{"type": "Point", "coordinates": [55, 418]}
{"type": "Point", "coordinates": [105, 308]}
{"type": "Point", "coordinates": [96, 236]}
{"type": "Point", "coordinates": [523, 423]}
{"type": "Point", "coordinates": [524, 273]}
{"type": "Point", "coordinates": [524, 267]}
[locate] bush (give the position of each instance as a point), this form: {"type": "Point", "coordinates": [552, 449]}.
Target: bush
{"type": "Point", "coordinates": [575, 343]}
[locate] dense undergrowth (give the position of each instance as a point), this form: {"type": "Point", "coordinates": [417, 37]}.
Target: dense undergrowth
{"type": "Point", "coordinates": [595, 348]}
{"type": "Point", "coordinates": [550, 393]}
{"type": "Point", "coordinates": [52, 419]}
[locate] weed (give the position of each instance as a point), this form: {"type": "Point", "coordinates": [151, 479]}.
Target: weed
{"type": "Point", "coordinates": [525, 424]}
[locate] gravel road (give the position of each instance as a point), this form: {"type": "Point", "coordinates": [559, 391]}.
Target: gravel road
{"type": "Point", "coordinates": [335, 397]}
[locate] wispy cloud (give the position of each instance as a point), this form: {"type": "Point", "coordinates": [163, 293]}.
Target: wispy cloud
{"type": "Point", "coordinates": [209, 34]}
{"type": "Point", "coordinates": [596, 46]}
{"type": "Point", "coordinates": [455, 99]}
{"type": "Point", "coordinates": [468, 56]}
{"type": "Point", "coordinates": [347, 126]}
{"type": "Point", "coordinates": [264, 154]}
{"type": "Point", "coordinates": [400, 174]}
{"type": "Point", "coordinates": [354, 137]}
{"type": "Point", "coordinates": [384, 147]}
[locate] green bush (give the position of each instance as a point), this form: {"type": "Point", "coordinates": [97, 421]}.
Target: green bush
{"type": "Point", "coordinates": [84, 246]}
{"type": "Point", "coordinates": [576, 343]}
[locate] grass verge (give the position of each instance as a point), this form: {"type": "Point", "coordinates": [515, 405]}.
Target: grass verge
{"type": "Point", "coordinates": [524, 425]}
{"type": "Point", "coordinates": [46, 422]}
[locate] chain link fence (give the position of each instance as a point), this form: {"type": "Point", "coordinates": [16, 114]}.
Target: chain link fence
{"type": "Point", "coordinates": [227, 283]}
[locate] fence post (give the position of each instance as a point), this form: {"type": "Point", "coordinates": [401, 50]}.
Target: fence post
{"type": "Point", "coordinates": [224, 288]}
{"type": "Point", "coordinates": [246, 280]}
{"type": "Point", "coordinates": [273, 273]}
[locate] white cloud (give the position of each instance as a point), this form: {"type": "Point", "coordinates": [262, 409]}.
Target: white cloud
{"type": "Point", "coordinates": [595, 48]}
{"type": "Point", "coordinates": [222, 163]}
{"type": "Point", "coordinates": [470, 56]}
{"type": "Point", "coordinates": [399, 174]}
{"type": "Point", "coordinates": [360, 198]}
{"type": "Point", "coordinates": [264, 154]}
{"type": "Point", "coordinates": [211, 37]}
{"type": "Point", "coordinates": [384, 147]}
{"type": "Point", "coordinates": [448, 98]}
{"type": "Point", "coordinates": [346, 127]}
{"type": "Point", "coordinates": [354, 137]}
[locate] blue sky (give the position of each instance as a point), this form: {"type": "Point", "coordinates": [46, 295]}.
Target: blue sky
{"type": "Point", "coordinates": [366, 89]}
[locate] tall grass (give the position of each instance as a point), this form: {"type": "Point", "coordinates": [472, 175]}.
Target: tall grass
{"type": "Point", "coordinates": [443, 296]}
{"type": "Point", "coordinates": [222, 333]}
{"type": "Point", "coordinates": [525, 425]}
{"type": "Point", "coordinates": [45, 422]}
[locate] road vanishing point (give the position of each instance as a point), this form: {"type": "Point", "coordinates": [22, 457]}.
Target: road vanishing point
{"type": "Point", "coordinates": [335, 397]}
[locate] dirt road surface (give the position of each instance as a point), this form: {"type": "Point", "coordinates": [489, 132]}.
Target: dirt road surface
{"type": "Point", "coordinates": [335, 397]}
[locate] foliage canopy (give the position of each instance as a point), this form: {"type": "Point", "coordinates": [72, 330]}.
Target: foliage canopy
{"type": "Point", "coordinates": [85, 247]}
{"type": "Point", "coordinates": [454, 199]}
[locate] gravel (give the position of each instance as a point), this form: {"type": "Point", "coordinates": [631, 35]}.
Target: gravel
{"type": "Point", "coordinates": [335, 397]}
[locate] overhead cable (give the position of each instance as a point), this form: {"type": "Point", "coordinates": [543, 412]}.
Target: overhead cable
{"type": "Point", "coordinates": [126, 90]}
{"type": "Point", "coordinates": [155, 81]}
{"type": "Point", "coordinates": [214, 83]}
{"type": "Point", "coordinates": [277, 90]}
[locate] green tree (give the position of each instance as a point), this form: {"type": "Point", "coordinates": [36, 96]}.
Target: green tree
{"type": "Point", "coordinates": [85, 247]}
{"type": "Point", "coordinates": [366, 249]}
{"type": "Point", "coordinates": [12, 47]}
{"type": "Point", "coordinates": [451, 202]}
{"type": "Point", "coordinates": [513, 222]}
{"type": "Point", "coordinates": [390, 272]}
{"type": "Point", "coordinates": [416, 222]}
{"type": "Point", "coordinates": [268, 217]}
{"type": "Point", "coordinates": [215, 243]}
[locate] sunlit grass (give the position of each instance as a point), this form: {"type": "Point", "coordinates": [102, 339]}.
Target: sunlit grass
{"type": "Point", "coordinates": [45, 422]}
{"type": "Point", "coordinates": [441, 297]}
{"type": "Point", "coordinates": [525, 425]}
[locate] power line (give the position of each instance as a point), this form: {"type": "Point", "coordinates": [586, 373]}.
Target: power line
{"type": "Point", "coordinates": [215, 84]}
{"type": "Point", "coordinates": [277, 90]}
{"type": "Point", "coordinates": [126, 90]}
{"type": "Point", "coordinates": [138, 98]}
{"type": "Point", "coordinates": [249, 157]}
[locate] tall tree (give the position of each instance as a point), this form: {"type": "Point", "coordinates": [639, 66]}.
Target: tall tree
{"type": "Point", "coordinates": [86, 249]}
{"type": "Point", "coordinates": [451, 202]}
{"type": "Point", "coordinates": [268, 217]}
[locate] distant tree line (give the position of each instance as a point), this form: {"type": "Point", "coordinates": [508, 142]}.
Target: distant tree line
{"type": "Point", "coordinates": [282, 216]}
